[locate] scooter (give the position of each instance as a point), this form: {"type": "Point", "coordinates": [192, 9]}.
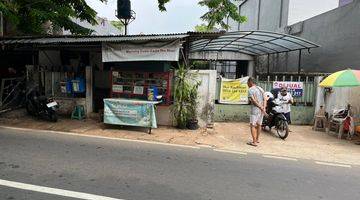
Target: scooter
{"type": "Point", "coordinates": [41, 106]}
{"type": "Point", "coordinates": [276, 118]}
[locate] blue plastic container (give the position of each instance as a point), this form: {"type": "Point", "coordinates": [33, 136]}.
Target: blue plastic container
{"type": "Point", "coordinates": [68, 86]}
{"type": "Point", "coordinates": [78, 85]}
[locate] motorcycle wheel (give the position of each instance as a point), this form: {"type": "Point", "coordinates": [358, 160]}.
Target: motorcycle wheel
{"type": "Point", "coordinates": [29, 109]}
{"type": "Point", "coordinates": [53, 117]}
{"type": "Point", "coordinates": [282, 129]}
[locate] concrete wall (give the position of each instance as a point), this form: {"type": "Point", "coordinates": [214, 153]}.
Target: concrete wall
{"type": "Point", "coordinates": [300, 115]}
{"type": "Point", "coordinates": [250, 10]}
{"type": "Point", "coordinates": [273, 15]}
{"type": "Point", "coordinates": [207, 89]}
{"type": "Point", "coordinates": [164, 116]}
{"type": "Point", "coordinates": [344, 2]}
{"type": "Point", "coordinates": [337, 32]}
{"type": "Point", "coordinates": [66, 105]}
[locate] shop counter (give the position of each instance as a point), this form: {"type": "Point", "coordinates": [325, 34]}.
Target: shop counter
{"type": "Point", "coordinates": [129, 112]}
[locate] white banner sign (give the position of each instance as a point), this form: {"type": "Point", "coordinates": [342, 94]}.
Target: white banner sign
{"type": "Point", "coordinates": [153, 51]}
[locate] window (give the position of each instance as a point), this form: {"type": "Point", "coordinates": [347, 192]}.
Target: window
{"type": "Point", "coordinates": [226, 69]}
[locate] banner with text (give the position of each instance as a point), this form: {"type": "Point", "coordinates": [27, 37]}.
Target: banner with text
{"type": "Point", "coordinates": [152, 51]}
{"type": "Point", "coordinates": [129, 113]}
{"type": "Point", "coordinates": [234, 91]}
{"type": "Point", "coordinates": [295, 88]}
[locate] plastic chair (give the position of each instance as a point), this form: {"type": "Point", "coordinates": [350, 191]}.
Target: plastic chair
{"type": "Point", "coordinates": [78, 112]}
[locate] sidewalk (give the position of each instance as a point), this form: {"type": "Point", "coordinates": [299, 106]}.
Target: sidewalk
{"type": "Point", "coordinates": [302, 142]}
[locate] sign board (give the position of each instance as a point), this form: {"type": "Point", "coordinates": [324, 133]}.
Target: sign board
{"type": "Point", "coordinates": [117, 88]}
{"type": "Point", "coordinates": [295, 88]}
{"type": "Point", "coordinates": [130, 112]}
{"type": "Point", "coordinates": [151, 51]}
{"type": "Point", "coordinates": [138, 90]}
{"type": "Point", "coordinates": [234, 91]}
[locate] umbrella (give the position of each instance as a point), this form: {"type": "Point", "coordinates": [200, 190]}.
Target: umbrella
{"type": "Point", "coordinates": [344, 78]}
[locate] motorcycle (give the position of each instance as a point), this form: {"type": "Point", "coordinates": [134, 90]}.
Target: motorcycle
{"type": "Point", "coordinates": [276, 118]}
{"type": "Point", "coordinates": [41, 106]}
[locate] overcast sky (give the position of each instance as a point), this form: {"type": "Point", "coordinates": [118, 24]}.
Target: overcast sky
{"type": "Point", "coordinates": [183, 15]}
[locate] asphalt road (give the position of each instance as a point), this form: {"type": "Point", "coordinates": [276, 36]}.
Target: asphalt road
{"type": "Point", "coordinates": [78, 166]}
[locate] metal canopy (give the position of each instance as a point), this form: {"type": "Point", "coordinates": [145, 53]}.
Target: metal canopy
{"type": "Point", "coordinates": [254, 43]}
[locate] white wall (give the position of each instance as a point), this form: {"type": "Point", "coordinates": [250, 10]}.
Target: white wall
{"type": "Point", "coordinates": [207, 90]}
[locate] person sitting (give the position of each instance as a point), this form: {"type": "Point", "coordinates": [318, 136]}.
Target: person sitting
{"type": "Point", "coordinates": [287, 100]}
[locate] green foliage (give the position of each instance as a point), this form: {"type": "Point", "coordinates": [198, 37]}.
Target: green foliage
{"type": "Point", "coordinates": [200, 64]}
{"type": "Point", "coordinates": [162, 4]}
{"type": "Point", "coordinates": [202, 28]}
{"type": "Point", "coordinates": [29, 16]}
{"type": "Point", "coordinates": [186, 96]}
{"type": "Point", "coordinates": [117, 24]}
{"type": "Point", "coordinates": [219, 11]}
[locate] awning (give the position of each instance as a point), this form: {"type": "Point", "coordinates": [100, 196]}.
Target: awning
{"type": "Point", "coordinates": [254, 43]}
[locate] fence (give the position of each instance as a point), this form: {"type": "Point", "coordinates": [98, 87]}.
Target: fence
{"type": "Point", "coordinates": [309, 87]}
{"type": "Point", "coordinates": [266, 82]}
{"type": "Point", "coordinates": [309, 90]}
{"type": "Point", "coordinates": [9, 91]}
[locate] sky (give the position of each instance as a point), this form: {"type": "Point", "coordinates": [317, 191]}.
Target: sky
{"type": "Point", "coordinates": [181, 15]}
{"type": "Point", "coordinates": [184, 15]}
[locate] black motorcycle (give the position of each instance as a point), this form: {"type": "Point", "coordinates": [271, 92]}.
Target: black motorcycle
{"type": "Point", "coordinates": [41, 106]}
{"type": "Point", "coordinates": [276, 118]}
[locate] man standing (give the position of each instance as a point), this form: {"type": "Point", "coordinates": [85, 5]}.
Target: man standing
{"type": "Point", "coordinates": [258, 105]}
{"type": "Point", "coordinates": [286, 98]}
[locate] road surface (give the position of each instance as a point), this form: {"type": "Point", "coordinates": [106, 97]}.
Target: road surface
{"type": "Point", "coordinates": [39, 165]}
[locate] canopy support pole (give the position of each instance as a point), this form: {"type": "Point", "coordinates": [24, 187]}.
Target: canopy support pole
{"type": "Point", "coordinates": [268, 64]}
{"type": "Point", "coordinates": [299, 64]}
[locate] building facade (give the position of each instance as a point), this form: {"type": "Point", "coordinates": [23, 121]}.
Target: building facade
{"type": "Point", "coordinates": [336, 31]}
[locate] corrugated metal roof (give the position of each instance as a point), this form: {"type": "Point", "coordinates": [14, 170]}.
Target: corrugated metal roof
{"type": "Point", "coordinates": [89, 39]}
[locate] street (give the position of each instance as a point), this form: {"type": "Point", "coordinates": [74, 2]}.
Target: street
{"type": "Point", "coordinates": [38, 165]}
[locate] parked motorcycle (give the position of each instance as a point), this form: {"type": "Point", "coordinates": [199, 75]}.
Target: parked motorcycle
{"type": "Point", "coordinates": [276, 118]}
{"type": "Point", "coordinates": [41, 106]}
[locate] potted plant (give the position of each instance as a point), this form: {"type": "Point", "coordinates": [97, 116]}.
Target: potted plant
{"type": "Point", "coordinates": [185, 98]}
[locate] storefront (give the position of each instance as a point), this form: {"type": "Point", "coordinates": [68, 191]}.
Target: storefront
{"type": "Point", "coordinates": [86, 70]}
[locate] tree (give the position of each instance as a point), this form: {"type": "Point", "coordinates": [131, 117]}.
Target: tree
{"type": "Point", "coordinates": [219, 11]}
{"type": "Point", "coordinates": [29, 16]}
{"type": "Point", "coordinates": [203, 28]}
{"type": "Point", "coordinates": [117, 24]}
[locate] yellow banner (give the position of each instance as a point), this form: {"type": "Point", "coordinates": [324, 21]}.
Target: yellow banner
{"type": "Point", "coordinates": [234, 91]}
